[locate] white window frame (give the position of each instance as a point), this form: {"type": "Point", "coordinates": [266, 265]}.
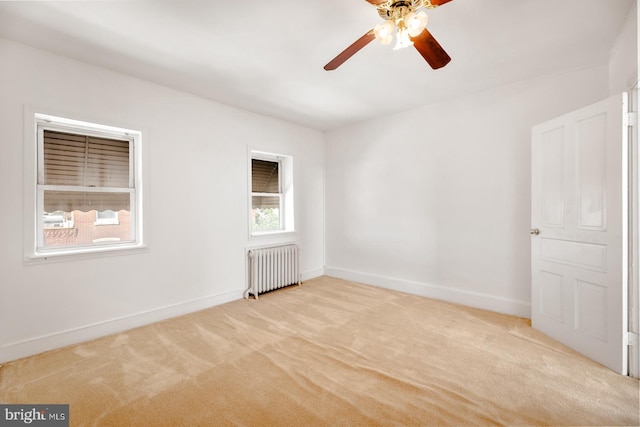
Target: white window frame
{"type": "Point", "coordinates": [285, 177]}
{"type": "Point", "coordinates": [34, 229]}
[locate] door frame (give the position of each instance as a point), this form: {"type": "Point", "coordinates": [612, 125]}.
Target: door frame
{"type": "Point", "coordinates": [634, 232]}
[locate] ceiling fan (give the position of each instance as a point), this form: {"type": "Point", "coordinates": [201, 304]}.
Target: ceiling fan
{"type": "Point", "coordinates": [409, 22]}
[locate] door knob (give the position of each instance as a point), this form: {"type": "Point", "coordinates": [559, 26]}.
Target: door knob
{"type": "Point", "coordinates": [534, 231]}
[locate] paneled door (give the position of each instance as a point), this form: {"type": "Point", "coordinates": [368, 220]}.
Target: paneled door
{"type": "Point", "coordinates": [578, 231]}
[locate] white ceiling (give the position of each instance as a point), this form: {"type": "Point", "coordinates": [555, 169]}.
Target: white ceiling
{"type": "Point", "coordinates": [267, 56]}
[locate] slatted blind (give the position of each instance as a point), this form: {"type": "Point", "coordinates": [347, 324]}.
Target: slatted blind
{"type": "Point", "coordinates": [83, 160]}
{"type": "Point", "coordinates": [265, 178]}
{"type": "Point", "coordinates": [86, 161]}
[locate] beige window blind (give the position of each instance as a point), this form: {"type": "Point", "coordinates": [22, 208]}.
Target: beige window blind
{"type": "Point", "coordinates": [85, 161]}
{"type": "Point", "coordinates": [265, 178]}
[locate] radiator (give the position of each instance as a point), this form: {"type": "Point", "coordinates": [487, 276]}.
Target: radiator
{"type": "Point", "coordinates": [272, 268]}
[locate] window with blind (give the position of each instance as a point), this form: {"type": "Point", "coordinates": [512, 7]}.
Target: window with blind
{"type": "Point", "coordinates": [271, 193]}
{"type": "Point", "coordinates": [266, 198]}
{"type": "Point", "coordinates": [86, 188]}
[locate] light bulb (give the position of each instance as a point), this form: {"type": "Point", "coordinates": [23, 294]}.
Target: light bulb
{"type": "Point", "coordinates": [384, 31]}
{"type": "Point", "coordinates": [402, 38]}
{"type": "Point", "coordinates": [416, 23]}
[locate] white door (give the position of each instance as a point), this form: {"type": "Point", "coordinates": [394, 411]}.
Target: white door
{"type": "Point", "coordinates": [578, 231]}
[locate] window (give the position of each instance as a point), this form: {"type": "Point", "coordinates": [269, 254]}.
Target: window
{"type": "Point", "coordinates": [57, 219]}
{"type": "Point", "coordinates": [266, 198]}
{"type": "Point", "coordinates": [87, 195]}
{"type": "Point", "coordinates": [107, 217]}
{"type": "Point", "coordinates": [271, 193]}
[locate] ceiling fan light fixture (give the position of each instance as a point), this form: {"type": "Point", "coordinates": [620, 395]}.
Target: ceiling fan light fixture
{"type": "Point", "coordinates": [407, 21]}
{"type": "Point", "coordinates": [384, 31]}
{"type": "Point", "coordinates": [416, 22]}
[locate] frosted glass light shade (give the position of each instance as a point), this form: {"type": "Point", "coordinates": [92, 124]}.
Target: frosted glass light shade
{"type": "Point", "coordinates": [416, 23]}
{"type": "Point", "coordinates": [384, 31]}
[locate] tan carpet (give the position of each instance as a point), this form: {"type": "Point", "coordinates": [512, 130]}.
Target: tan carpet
{"type": "Point", "coordinates": [330, 353]}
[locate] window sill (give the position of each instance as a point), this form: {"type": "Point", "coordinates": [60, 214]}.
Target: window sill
{"type": "Point", "coordinates": [83, 253]}
{"type": "Point", "coordinates": [271, 238]}
{"type": "Point", "coordinates": [272, 233]}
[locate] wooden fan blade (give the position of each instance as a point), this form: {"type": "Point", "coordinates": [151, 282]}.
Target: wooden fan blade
{"type": "Point", "coordinates": [350, 51]}
{"type": "Point", "coordinates": [379, 2]}
{"type": "Point", "coordinates": [439, 2]}
{"type": "Point", "coordinates": [430, 50]}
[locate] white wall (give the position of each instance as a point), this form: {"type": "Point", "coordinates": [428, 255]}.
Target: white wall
{"type": "Point", "coordinates": [196, 212]}
{"type": "Point", "coordinates": [436, 201]}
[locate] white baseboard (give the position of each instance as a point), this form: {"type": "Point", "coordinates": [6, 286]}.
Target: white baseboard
{"type": "Point", "coordinates": [55, 340]}
{"type": "Point", "coordinates": [457, 296]}
{"type": "Point", "coordinates": [312, 274]}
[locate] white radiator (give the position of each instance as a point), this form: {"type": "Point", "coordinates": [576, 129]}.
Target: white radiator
{"type": "Point", "coordinates": [272, 268]}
